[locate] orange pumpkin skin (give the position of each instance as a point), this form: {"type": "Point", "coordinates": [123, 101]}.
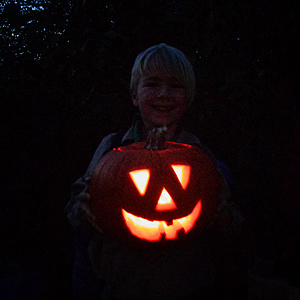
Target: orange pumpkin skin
{"type": "Point", "coordinates": [163, 197]}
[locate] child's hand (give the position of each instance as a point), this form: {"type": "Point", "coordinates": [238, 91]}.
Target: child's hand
{"type": "Point", "coordinates": [84, 211]}
{"type": "Point", "coordinates": [224, 219]}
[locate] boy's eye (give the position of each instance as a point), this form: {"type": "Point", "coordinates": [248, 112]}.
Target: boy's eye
{"type": "Point", "coordinates": [154, 82]}
{"type": "Point", "coordinates": [176, 85]}
{"type": "Point", "coordinates": [150, 84]}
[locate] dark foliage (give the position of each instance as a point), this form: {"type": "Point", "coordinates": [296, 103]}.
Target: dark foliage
{"type": "Point", "coordinates": [65, 71]}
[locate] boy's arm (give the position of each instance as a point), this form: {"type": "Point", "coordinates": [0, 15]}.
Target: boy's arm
{"type": "Point", "coordinates": [72, 208]}
{"type": "Point", "coordinates": [78, 208]}
{"type": "Point", "coordinates": [229, 217]}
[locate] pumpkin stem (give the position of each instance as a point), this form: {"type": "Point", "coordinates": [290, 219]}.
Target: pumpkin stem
{"type": "Point", "coordinates": [156, 139]}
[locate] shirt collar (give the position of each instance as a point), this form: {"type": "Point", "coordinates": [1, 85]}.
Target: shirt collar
{"type": "Point", "coordinates": [133, 135]}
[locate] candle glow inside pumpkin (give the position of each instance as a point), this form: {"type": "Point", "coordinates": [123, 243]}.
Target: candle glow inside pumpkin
{"type": "Point", "coordinates": [155, 230]}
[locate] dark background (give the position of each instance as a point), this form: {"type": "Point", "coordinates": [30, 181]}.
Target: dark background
{"type": "Point", "coordinates": [65, 72]}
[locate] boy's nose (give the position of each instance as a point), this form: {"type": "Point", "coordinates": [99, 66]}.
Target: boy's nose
{"type": "Point", "coordinates": [163, 91]}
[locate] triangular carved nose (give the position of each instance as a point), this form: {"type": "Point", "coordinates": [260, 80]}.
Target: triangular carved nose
{"type": "Point", "coordinates": [165, 202]}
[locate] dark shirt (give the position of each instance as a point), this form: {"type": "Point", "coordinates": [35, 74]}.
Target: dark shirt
{"type": "Point", "coordinates": [161, 273]}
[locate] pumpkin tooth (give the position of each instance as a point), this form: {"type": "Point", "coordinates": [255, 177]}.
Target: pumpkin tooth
{"type": "Point", "coordinates": [157, 230]}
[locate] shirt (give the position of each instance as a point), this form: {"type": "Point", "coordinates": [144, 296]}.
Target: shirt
{"type": "Point", "coordinates": [161, 273]}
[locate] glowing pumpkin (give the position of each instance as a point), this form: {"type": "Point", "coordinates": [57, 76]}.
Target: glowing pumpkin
{"type": "Point", "coordinates": [156, 195]}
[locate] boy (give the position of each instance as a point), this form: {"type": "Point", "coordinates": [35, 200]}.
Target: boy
{"type": "Point", "coordinates": [162, 87]}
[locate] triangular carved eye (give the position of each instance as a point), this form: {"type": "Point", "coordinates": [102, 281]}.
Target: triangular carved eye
{"type": "Point", "coordinates": [183, 173]}
{"type": "Point", "coordinates": [140, 179]}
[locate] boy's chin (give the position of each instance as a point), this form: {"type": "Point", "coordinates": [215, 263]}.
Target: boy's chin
{"type": "Point", "coordinates": [170, 126]}
{"type": "Point", "coordinates": [159, 120]}
{"type": "Point", "coordinates": [159, 124]}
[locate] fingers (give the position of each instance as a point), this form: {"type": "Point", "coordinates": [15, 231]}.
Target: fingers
{"type": "Point", "coordinates": [84, 196]}
{"type": "Point", "coordinates": [85, 212]}
{"type": "Point", "coordinates": [224, 219]}
{"type": "Point", "coordinates": [86, 178]}
{"type": "Point", "coordinates": [95, 226]}
{"type": "Point", "coordinates": [84, 208]}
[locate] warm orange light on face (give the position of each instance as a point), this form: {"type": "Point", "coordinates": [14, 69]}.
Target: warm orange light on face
{"type": "Point", "coordinates": [155, 230]}
{"type": "Point", "coordinates": [165, 202]}
{"type": "Point", "coordinates": [183, 173]}
{"type": "Point", "coordinates": [141, 180]}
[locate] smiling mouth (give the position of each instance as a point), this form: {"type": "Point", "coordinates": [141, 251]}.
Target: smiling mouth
{"type": "Point", "coordinates": [157, 230]}
{"type": "Point", "coordinates": [163, 108]}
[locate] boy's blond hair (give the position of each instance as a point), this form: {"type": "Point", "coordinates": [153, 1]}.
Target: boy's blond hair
{"type": "Point", "coordinates": [165, 59]}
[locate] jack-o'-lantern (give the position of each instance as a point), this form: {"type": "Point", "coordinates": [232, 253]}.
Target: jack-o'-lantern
{"type": "Point", "coordinates": [155, 195]}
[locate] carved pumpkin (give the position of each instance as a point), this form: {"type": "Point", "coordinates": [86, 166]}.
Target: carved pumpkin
{"type": "Point", "coordinates": [156, 195]}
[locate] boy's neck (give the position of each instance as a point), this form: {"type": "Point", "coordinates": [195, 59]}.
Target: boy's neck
{"type": "Point", "coordinates": [170, 134]}
{"type": "Point", "coordinates": [140, 131]}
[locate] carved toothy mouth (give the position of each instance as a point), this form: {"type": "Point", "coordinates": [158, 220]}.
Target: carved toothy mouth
{"type": "Point", "coordinates": [157, 230]}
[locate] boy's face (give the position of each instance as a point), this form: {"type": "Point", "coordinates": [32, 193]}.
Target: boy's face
{"type": "Point", "coordinates": [161, 100]}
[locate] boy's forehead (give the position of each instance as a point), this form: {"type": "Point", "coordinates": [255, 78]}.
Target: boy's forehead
{"type": "Point", "coordinates": [158, 76]}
